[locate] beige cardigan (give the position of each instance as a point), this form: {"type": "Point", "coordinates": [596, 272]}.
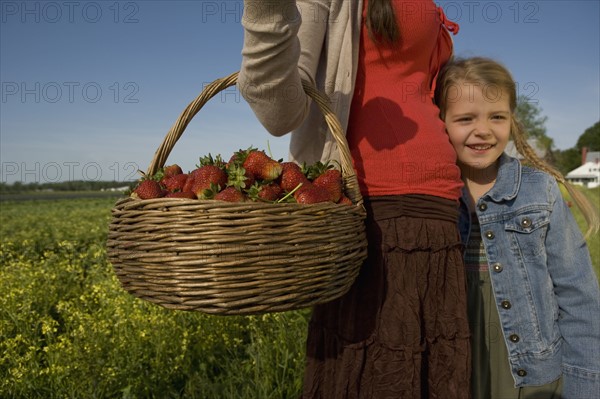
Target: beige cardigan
{"type": "Point", "coordinates": [286, 41]}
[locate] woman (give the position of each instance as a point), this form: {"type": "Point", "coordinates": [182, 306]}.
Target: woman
{"type": "Point", "coordinates": [401, 331]}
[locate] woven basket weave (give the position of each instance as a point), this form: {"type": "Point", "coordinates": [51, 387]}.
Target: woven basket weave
{"type": "Point", "coordinates": [238, 258]}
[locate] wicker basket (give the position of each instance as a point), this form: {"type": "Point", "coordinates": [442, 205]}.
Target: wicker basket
{"type": "Point", "coordinates": [238, 258]}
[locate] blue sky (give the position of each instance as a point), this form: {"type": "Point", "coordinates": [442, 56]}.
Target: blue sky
{"type": "Point", "coordinates": [89, 89]}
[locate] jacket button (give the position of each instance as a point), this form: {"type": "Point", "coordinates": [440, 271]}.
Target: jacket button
{"type": "Point", "coordinates": [526, 222]}
{"type": "Point", "coordinates": [514, 338]}
{"type": "Point", "coordinates": [521, 373]}
{"type": "Point", "coordinates": [490, 235]}
{"type": "Point", "coordinates": [497, 267]}
{"type": "Point", "coordinates": [506, 305]}
{"type": "Point", "coordinates": [482, 206]}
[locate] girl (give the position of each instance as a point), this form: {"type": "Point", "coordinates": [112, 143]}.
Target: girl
{"type": "Point", "coordinates": [533, 298]}
{"type": "Point", "coordinates": [402, 329]}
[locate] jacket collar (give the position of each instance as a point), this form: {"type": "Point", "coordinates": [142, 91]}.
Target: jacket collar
{"type": "Point", "coordinates": [508, 180]}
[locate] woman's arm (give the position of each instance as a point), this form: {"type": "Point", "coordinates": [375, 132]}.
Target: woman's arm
{"type": "Point", "coordinates": [283, 41]}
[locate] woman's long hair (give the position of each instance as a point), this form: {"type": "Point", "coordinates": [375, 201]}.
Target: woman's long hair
{"type": "Point", "coordinates": [491, 75]}
{"type": "Point", "coordinates": [381, 21]}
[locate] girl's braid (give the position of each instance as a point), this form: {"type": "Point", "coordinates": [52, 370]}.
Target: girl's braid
{"type": "Point", "coordinates": [587, 209]}
{"type": "Point", "coordinates": [523, 147]}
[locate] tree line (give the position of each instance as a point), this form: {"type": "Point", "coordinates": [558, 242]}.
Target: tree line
{"type": "Point", "coordinates": [570, 159]}
{"type": "Point", "coordinates": [72, 185]}
{"type": "Point", "coordinates": [530, 115]}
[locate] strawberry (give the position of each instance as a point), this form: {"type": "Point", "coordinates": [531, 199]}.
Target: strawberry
{"type": "Point", "coordinates": [311, 194]}
{"type": "Point", "coordinates": [181, 194]}
{"type": "Point", "coordinates": [230, 194]}
{"type": "Point", "coordinates": [207, 181]}
{"type": "Point", "coordinates": [261, 165]}
{"type": "Point", "coordinates": [266, 192]}
{"type": "Point", "coordinates": [249, 179]}
{"type": "Point", "coordinates": [271, 192]}
{"type": "Point", "coordinates": [239, 177]}
{"type": "Point", "coordinates": [172, 170]}
{"type": "Point", "coordinates": [189, 182]}
{"type": "Point", "coordinates": [331, 180]}
{"type": "Point", "coordinates": [148, 189]}
{"type": "Point", "coordinates": [237, 158]}
{"type": "Point", "coordinates": [175, 182]}
{"type": "Point", "coordinates": [291, 176]}
{"type": "Point", "coordinates": [344, 200]}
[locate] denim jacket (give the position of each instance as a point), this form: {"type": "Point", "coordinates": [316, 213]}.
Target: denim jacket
{"type": "Point", "coordinates": [545, 288]}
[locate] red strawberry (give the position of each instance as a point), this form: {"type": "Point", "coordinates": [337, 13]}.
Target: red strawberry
{"type": "Point", "coordinates": [206, 181]}
{"type": "Point", "coordinates": [175, 182]}
{"type": "Point", "coordinates": [230, 194]}
{"type": "Point", "coordinates": [236, 158]}
{"type": "Point", "coordinates": [267, 192]}
{"type": "Point", "coordinates": [250, 179]}
{"type": "Point", "coordinates": [344, 200]}
{"type": "Point", "coordinates": [291, 176]}
{"type": "Point", "coordinates": [148, 189]}
{"type": "Point", "coordinates": [181, 194]}
{"type": "Point", "coordinates": [271, 192]}
{"type": "Point", "coordinates": [331, 180]}
{"type": "Point", "coordinates": [187, 187]}
{"type": "Point", "coordinates": [261, 165]}
{"type": "Point", "coordinates": [172, 170]}
{"type": "Point", "coordinates": [311, 194]}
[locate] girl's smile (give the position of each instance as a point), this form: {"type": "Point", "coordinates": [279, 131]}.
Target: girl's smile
{"type": "Point", "coordinates": [480, 148]}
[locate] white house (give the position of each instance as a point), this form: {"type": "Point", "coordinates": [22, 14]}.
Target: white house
{"type": "Point", "coordinates": [588, 174]}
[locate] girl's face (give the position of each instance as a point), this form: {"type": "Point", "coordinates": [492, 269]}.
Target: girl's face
{"type": "Point", "coordinates": [478, 121]}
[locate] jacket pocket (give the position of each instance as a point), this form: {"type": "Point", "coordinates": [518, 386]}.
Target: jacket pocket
{"type": "Point", "coordinates": [529, 231]}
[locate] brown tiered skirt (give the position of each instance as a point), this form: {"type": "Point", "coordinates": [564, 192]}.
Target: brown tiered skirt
{"type": "Point", "coordinates": [402, 330]}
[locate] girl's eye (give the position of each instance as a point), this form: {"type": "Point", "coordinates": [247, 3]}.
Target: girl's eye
{"type": "Point", "coordinates": [499, 117]}
{"type": "Point", "coordinates": [464, 119]}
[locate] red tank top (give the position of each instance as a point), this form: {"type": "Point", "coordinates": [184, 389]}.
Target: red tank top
{"type": "Point", "coordinates": [398, 143]}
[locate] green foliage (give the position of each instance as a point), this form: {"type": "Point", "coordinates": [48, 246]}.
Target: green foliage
{"type": "Point", "coordinates": [567, 160]}
{"type": "Point", "coordinates": [67, 329]}
{"type": "Point", "coordinates": [530, 115]}
{"type": "Point", "coordinates": [590, 138]}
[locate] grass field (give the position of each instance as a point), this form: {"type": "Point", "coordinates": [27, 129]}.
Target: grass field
{"type": "Point", "coordinates": [68, 330]}
{"type": "Point", "coordinates": [594, 240]}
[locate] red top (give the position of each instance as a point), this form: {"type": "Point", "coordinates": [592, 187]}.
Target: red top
{"type": "Point", "coordinates": [398, 143]}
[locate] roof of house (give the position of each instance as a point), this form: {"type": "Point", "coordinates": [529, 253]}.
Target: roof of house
{"type": "Point", "coordinates": [587, 170]}
{"type": "Point", "coordinates": [593, 156]}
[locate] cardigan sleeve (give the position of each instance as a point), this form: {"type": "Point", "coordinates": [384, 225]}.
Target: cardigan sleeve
{"type": "Point", "coordinates": [283, 41]}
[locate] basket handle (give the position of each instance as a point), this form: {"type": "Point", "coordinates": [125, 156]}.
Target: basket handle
{"type": "Point", "coordinates": [348, 174]}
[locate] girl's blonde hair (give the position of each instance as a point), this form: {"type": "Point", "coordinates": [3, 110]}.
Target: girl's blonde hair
{"type": "Point", "coordinates": [492, 76]}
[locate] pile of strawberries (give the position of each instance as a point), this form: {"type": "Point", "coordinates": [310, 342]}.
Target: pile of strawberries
{"type": "Point", "coordinates": [249, 175]}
